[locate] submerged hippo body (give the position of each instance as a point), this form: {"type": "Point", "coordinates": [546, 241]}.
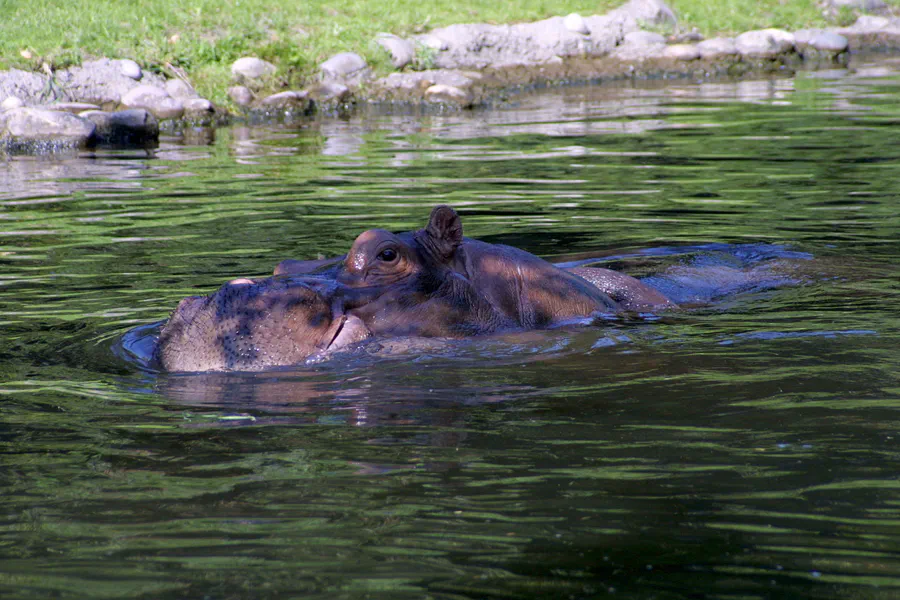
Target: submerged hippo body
{"type": "Point", "coordinates": [435, 282]}
{"type": "Point", "coordinates": [252, 326]}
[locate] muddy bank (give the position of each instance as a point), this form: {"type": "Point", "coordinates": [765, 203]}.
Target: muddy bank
{"type": "Point", "coordinates": [116, 103]}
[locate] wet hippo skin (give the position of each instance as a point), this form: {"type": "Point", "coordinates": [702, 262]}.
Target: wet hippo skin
{"type": "Point", "coordinates": [435, 282]}
{"type": "Point", "coordinates": [430, 283]}
{"type": "Point", "coordinates": [255, 325]}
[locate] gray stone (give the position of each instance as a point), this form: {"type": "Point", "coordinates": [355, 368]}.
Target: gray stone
{"type": "Point", "coordinates": [178, 88]}
{"type": "Point", "coordinates": [870, 23]}
{"type": "Point", "coordinates": [576, 24]}
{"type": "Point", "coordinates": [681, 52]}
{"type": "Point", "coordinates": [73, 107]}
{"type": "Point", "coordinates": [10, 103]}
{"type": "Point", "coordinates": [342, 65]}
{"type": "Point", "coordinates": [764, 43]}
{"type": "Point", "coordinates": [195, 107]}
{"type": "Point", "coordinates": [640, 45]}
{"type": "Point", "coordinates": [643, 38]}
{"type": "Point", "coordinates": [133, 126]}
{"type": "Point", "coordinates": [650, 12]}
{"type": "Point", "coordinates": [868, 5]}
{"type": "Point", "coordinates": [432, 41]}
{"type": "Point", "coordinates": [402, 51]}
{"type": "Point", "coordinates": [821, 41]}
{"type": "Point", "coordinates": [154, 99]}
{"type": "Point", "coordinates": [251, 69]}
{"type": "Point", "coordinates": [29, 125]}
{"type": "Point", "coordinates": [717, 47]}
{"type": "Point", "coordinates": [23, 85]}
{"type": "Point", "coordinates": [329, 91]}
{"type": "Point", "coordinates": [287, 101]}
{"type": "Point", "coordinates": [100, 82]}
{"type": "Point", "coordinates": [448, 94]}
{"type": "Point", "coordinates": [130, 69]}
{"type": "Point", "coordinates": [241, 95]}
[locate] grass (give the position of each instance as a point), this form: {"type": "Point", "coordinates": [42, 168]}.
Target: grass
{"type": "Point", "coordinates": [203, 37]}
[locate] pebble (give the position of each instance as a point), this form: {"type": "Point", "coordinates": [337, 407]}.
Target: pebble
{"type": "Point", "coordinates": [154, 99]}
{"type": "Point", "coordinates": [717, 47]}
{"type": "Point", "coordinates": [576, 24]}
{"type": "Point", "coordinates": [251, 68]}
{"type": "Point", "coordinates": [37, 124]}
{"type": "Point", "coordinates": [682, 52]}
{"type": "Point", "coordinates": [287, 100]}
{"type": "Point", "coordinates": [132, 126]}
{"type": "Point", "coordinates": [401, 50]}
{"type": "Point", "coordinates": [130, 69]}
{"type": "Point", "coordinates": [823, 41]}
{"type": "Point", "coordinates": [764, 43]}
{"type": "Point", "coordinates": [329, 91]}
{"type": "Point", "coordinates": [342, 65]}
{"type": "Point", "coordinates": [10, 103]}
{"type": "Point", "coordinates": [198, 107]}
{"type": "Point", "coordinates": [178, 88]}
{"type": "Point", "coordinates": [449, 94]}
{"type": "Point", "coordinates": [240, 95]}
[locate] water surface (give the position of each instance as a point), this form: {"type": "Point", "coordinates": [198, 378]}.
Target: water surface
{"type": "Point", "coordinates": [748, 449]}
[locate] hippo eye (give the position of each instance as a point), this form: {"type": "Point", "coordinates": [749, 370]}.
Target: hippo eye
{"type": "Point", "coordinates": [388, 255]}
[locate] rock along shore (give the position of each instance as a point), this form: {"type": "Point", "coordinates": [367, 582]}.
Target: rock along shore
{"type": "Point", "coordinates": [116, 103]}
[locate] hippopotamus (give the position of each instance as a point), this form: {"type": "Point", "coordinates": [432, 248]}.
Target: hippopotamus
{"type": "Point", "coordinates": [249, 325]}
{"type": "Point", "coordinates": [433, 282]}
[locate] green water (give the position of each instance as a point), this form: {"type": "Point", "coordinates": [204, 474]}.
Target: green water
{"type": "Point", "coordinates": [744, 450]}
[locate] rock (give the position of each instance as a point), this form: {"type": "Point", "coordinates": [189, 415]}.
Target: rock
{"type": "Point", "coordinates": [28, 126]}
{"type": "Point", "coordinates": [870, 23]}
{"type": "Point", "coordinates": [130, 69]}
{"type": "Point", "coordinates": [402, 51]}
{"type": "Point", "coordinates": [827, 42]}
{"type": "Point", "coordinates": [640, 45]}
{"type": "Point", "coordinates": [156, 100]}
{"type": "Point", "coordinates": [448, 94]}
{"type": "Point", "coordinates": [198, 107]}
{"type": "Point", "coordinates": [329, 91]}
{"type": "Point", "coordinates": [73, 107]}
{"type": "Point", "coordinates": [10, 103]}
{"type": "Point", "coordinates": [717, 47]}
{"type": "Point", "coordinates": [287, 101]}
{"type": "Point", "coordinates": [241, 95]}
{"type": "Point", "coordinates": [342, 65]}
{"type": "Point", "coordinates": [867, 5]}
{"type": "Point", "coordinates": [681, 52]}
{"type": "Point", "coordinates": [178, 88]}
{"type": "Point", "coordinates": [135, 126]}
{"type": "Point", "coordinates": [650, 12]}
{"type": "Point", "coordinates": [764, 43]}
{"type": "Point", "coordinates": [643, 38]}
{"type": "Point", "coordinates": [101, 82]}
{"type": "Point", "coordinates": [432, 41]}
{"type": "Point", "coordinates": [576, 24]}
{"type": "Point", "coordinates": [251, 69]}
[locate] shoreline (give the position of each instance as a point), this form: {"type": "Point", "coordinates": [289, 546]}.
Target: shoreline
{"type": "Point", "coordinates": [114, 103]}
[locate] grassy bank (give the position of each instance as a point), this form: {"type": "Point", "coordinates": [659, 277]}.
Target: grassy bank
{"type": "Point", "coordinates": [203, 37]}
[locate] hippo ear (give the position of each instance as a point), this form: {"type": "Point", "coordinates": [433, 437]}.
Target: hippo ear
{"type": "Point", "coordinates": [444, 231]}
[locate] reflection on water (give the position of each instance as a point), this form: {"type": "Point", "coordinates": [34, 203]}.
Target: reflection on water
{"type": "Point", "coordinates": [745, 448]}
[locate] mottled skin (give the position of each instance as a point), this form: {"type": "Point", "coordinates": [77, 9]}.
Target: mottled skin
{"type": "Point", "coordinates": [435, 282]}
{"type": "Point", "coordinates": [252, 326]}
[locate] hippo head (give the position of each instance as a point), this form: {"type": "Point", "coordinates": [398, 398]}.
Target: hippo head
{"type": "Point", "coordinates": [254, 325]}
{"type": "Point", "coordinates": [414, 284]}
